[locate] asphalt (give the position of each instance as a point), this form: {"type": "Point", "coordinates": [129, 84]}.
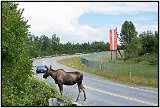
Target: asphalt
{"type": "Point", "coordinates": [101, 92]}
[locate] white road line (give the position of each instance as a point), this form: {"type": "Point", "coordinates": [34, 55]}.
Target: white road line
{"type": "Point", "coordinates": [123, 97]}
{"type": "Point", "coordinates": [124, 86]}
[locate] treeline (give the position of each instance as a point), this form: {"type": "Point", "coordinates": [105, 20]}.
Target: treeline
{"type": "Point", "coordinates": [44, 46]}
{"type": "Point", "coordinates": [143, 46]}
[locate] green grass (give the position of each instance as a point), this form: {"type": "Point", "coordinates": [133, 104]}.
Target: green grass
{"type": "Point", "coordinates": [122, 78]}
{"type": "Point", "coordinates": [136, 66]}
{"type": "Point", "coordinates": [135, 69]}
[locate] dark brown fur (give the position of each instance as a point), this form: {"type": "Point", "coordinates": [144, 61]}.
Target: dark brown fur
{"type": "Point", "coordinates": [62, 77]}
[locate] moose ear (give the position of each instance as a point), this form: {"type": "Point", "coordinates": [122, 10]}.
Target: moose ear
{"type": "Point", "coordinates": [46, 67]}
{"type": "Point", "coordinates": [50, 66]}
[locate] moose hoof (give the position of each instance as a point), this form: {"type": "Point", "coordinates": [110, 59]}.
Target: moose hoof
{"type": "Point", "coordinates": [77, 100]}
{"type": "Point", "coordinates": [84, 99]}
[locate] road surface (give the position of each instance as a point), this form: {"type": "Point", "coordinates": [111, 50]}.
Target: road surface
{"type": "Point", "coordinates": [102, 92]}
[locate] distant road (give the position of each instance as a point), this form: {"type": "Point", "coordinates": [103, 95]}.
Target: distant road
{"type": "Point", "coordinates": [102, 92]}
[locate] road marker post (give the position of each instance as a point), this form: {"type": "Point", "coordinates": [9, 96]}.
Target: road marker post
{"type": "Point", "coordinates": [130, 74]}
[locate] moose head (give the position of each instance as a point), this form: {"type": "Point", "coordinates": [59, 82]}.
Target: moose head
{"type": "Point", "coordinates": [47, 73]}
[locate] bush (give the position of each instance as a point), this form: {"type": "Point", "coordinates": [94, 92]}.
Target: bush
{"type": "Point", "coordinates": [153, 59]}
{"type": "Point", "coordinates": [36, 92]}
{"type": "Point", "coordinates": [16, 64]}
{"type": "Point", "coordinates": [138, 59]}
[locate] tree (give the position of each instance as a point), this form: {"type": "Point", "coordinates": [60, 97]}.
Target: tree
{"type": "Point", "coordinates": [156, 46]}
{"type": "Point", "coordinates": [148, 41]}
{"type": "Point", "coordinates": [15, 55]}
{"type": "Point", "coordinates": [128, 38]}
{"type": "Point", "coordinates": [55, 41]}
{"type": "Point", "coordinates": [45, 43]}
{"type": "Point", "coordinates": [133, 49]}
{"type": "Point", "coordinates": [128, 32]}
{"type": "Point", "coordinates": [16, 63]}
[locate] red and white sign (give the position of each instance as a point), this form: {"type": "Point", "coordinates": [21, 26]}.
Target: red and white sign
{"type": "Point", "coordinates": [113, 40]}
{"type": "Point", "coordinates": [110, 34]}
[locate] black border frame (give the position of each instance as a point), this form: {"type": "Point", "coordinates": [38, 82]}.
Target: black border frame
{"type": "Point", "coordinates": [81, 1]}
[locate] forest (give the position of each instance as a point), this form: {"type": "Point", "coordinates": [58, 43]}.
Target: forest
{"type": "Point", "coordinates": [45, 46]}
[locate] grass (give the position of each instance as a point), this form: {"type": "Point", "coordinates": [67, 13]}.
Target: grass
{"type": "Point", "coordinates": [135, 69]}
{"type": "Point", "coordinates": [122, 78]}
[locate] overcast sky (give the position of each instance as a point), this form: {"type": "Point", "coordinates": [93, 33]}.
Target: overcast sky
{"type": "Point", "coordinates": [87, 21]}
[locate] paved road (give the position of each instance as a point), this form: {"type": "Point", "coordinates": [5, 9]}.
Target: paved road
{"type": "Point", "coordinates": [102, 92]}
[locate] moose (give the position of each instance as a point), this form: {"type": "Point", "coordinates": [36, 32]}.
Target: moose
{"type": "Point", "coordinates": [62, 77]}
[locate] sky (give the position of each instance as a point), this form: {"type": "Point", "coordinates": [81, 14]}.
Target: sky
{"type": "Point", "coordinates": [80, 22]}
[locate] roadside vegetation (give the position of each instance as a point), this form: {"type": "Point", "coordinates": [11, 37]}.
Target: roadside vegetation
{"type": "Point", "coordinates": [35, 92]}
{"type": "Point", "coordinates": [19, 87]}
{"type": "Point", "coordinates": [143, 81]}
{"type": "Point", "coordinates": [139, 48]}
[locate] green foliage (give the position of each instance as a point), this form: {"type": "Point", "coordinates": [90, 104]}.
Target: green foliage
{"type": "Point", "coordinates": [128, 32]}
{"type": "Point", "coordinates": [44, 46]}
{"type": "Point", "coordinates": [45, 43]}
{"type": "Point", "coordinates": [148, 47]}
{"type": "Point", "coordinates": [129, 40]}
{"type": "Point", "coordinates": [156, 45]}
{"type": "Point", "coordinates": [15, 59]}
{"type": "Point", "coordinates": [36, 92]}
{"type": "Point", "coordinates": [134, 47]}
{"type": "Point", "coordinates": [55, 41]}
{"type": "Point", "coordinates": [16, 64]}
{"type": "Point", "coordinates": [153, 59]}
{"type": "Point", "coordinates": [149, 42]}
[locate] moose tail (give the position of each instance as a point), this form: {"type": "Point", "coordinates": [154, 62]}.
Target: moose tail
{"type": "Point", "coordinates": [81, 77]}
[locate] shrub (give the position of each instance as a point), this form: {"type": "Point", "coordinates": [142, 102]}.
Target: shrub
{"type": "Point", "coordinates": [153, 59]}
{"type": "Point", "coordinates": [36, 92]}
{"type": "Point", "coordinates": [15, 56]}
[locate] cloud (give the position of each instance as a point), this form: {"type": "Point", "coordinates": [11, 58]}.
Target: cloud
{"type": "Point", "coordinates": [146, 27]}
{"type": "Point", "coordinates": [47, 18]}
{"type": "Point", "coordinates": [121, 7]}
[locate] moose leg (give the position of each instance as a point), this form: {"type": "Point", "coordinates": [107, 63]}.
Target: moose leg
{"type": "Point", "coordinates": [60, 88]}
{"type": "Point", "coordinates": [82, 87]}
{"type": "Point", "coordinates": [84, 94]}
{"type": "Point", "coordinates": [78, 96]}
{"type": "Point", "coordinates": [79, 88]}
